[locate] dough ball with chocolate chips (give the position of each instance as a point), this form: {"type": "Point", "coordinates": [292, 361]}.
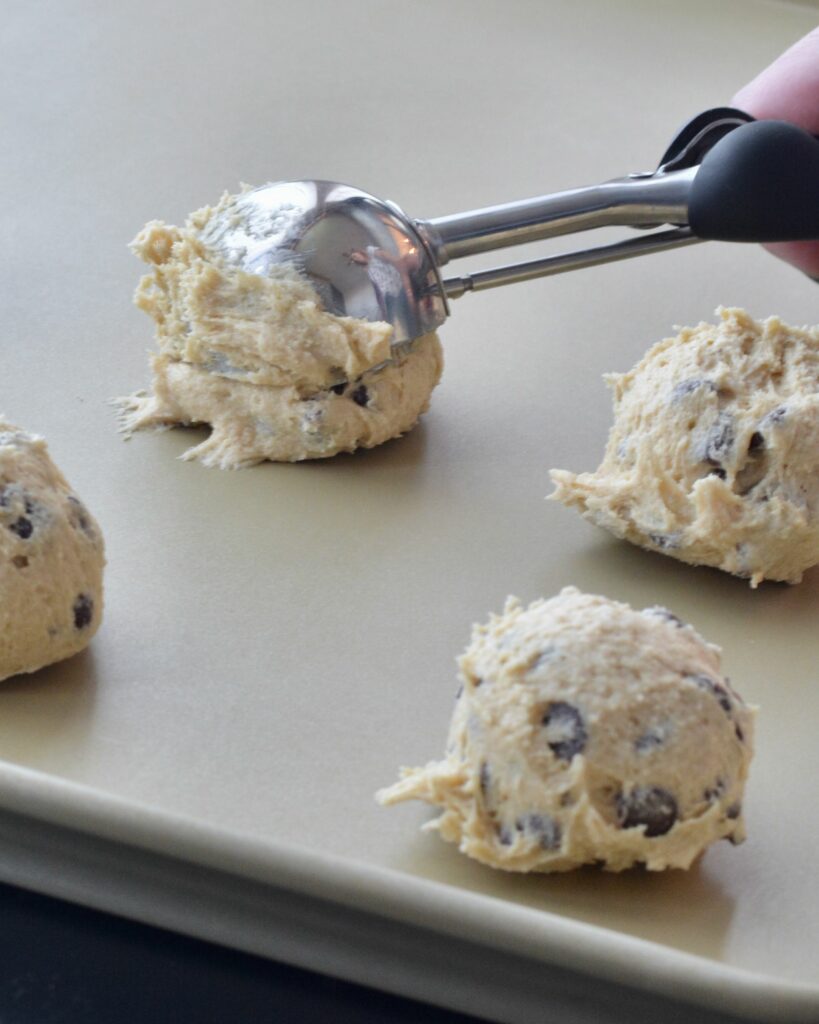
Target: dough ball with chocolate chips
{"type": "Point", "coordinates": [713, 457]}
{"type": "Point", "coordinates": [587, 732]}
{"type": "Point", "coordinates": [259, 360]}
{"type": "Point", "coordinates": [51, 559]}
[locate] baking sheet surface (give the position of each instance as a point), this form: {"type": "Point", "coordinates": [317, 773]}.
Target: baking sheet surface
{"type": "Point", "coordinates": [277, 641]}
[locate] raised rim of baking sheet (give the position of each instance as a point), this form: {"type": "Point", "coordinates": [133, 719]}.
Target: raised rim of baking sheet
{"type": "Point", "coordinates": [437, 910]}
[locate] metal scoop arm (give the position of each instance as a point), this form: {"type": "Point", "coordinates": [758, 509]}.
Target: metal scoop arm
{"type": "Point", "coordinates": [639, 201]}
{"type": "Point", "coordinates": [636, 201]}
{"type": "Point", "coordinates": [753, 181]}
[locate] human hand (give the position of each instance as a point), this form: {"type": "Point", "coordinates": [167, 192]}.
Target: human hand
{"type": "Point", "coordinates": [789, 90]}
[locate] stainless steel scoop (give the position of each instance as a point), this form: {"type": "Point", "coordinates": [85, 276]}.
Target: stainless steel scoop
{"type": "Point", "coordinates": [725, 176]}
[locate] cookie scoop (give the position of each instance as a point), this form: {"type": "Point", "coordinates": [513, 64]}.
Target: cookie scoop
{"type": "Point", "coordinates": [724, 176]}
{"type": "Point", "coordinates": [259, 360]}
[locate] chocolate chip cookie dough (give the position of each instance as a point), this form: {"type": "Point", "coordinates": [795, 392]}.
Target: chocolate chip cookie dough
{"type": "Point", "coordinates": [51, 559]}
{"type": "Point", "coordinates": [257, 358]}
{"type": "Point", "coordinates": [584, 732]}
{"type": "Point", "coordinates": [713, 457]}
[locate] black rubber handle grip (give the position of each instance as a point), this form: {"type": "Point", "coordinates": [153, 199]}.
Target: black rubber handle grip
{"type": "Point", "coordinates": [760, 183]}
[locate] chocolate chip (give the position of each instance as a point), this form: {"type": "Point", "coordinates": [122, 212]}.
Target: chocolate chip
{"type": "Point", "coordinates": [739, 732]}
{"type": "Point", "coordinates": [22, 527]}
{"type": "Point", "coordinates": [755, 467]}
{"type": "Point", "coordinates": [734, 811]}
{"type": "Point", "coordinates": [719, 441]}
{"type": "Point", "coordinates": [565, 730]}
{"type": "Point", "coordinates": [652, 807]}
{"type": "Point", "coordinates": [20, 562]}
{"type": "Point", "coordinates": [79, 516]}
{"type": "Point", "coordinates": [24, 510]}
{"type": "Point", "coordinates": [657, 611]}
{"type": "Point", "coordinates": [83, 611]}
{"type": "Point", "coordinates": [504, 835]}
{"type": "Point", "coordinates": [665, 541]}
{"type": "Point", "coordinates": [338, 389]}
{"type": "Point", "coordinates": [484, 778]}
{"type": "Point", "coordinates": [651, 739]}
{"type": "Point", "coordinates": [547, 831]}
{"type": "Point", "coordinates": [756, 442]}
{"type": "Point", "coordinates": [688, 387]}
{"type": "Point", "coordinates": [717, 690]}
{"type": "Point", "coordinates": [718, 473]}
{"type": "Point", "coordinates": [360, 396]}
{"type": "Point", "coordinates": [714, 792]}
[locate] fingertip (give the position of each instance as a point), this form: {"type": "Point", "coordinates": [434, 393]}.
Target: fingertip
{"type": "Point", "coordinates": [787, 89]}
{"type": "Point", "coordinates": [802, 255]}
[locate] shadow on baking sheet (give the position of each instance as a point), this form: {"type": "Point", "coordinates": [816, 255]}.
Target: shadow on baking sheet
{"type": "Point", "coordinates": [399, 452]}
{"type": "Point", "coordinates": [46, 712]}
{"type": "Point", "coordinates": [605, 565]}
{"type": "Point", "coordinates": [686, 910]}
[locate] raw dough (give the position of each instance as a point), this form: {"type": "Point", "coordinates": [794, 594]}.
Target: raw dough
{"type": "Point", "coordinates": [583, 732]}
{"type": "Point", "coordinates": [259, 360]}
{"type": "Point", "coordinates": [51, 559]}
{"type": "Point", "coordinates": [713, 457]}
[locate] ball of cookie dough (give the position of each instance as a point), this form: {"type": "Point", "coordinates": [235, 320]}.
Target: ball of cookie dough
{"type": "Point", "coordinates": [587, 732]}
{"type": "Point", "coordinates": [51, 559]}
{"type": "Point", "coordinates": [261, 362]}
{"type": "Point", "coordinates": [713, 457]}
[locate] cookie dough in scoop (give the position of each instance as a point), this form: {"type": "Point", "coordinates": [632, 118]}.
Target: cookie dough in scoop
{"type": "Point", "coordinates": [51, 559]}
{"type": "Point", "coordinates": [586, 732]}
{"type": "Point", "coordinates": [713, 457]}
{"type": "Point", "coordinates": [258, 359]}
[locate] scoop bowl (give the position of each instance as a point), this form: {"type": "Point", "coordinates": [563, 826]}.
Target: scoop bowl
{"type": "Point", "coordinates": [362, 255]}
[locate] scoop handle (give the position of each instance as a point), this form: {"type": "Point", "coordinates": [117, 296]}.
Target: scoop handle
{"type": "Point", "coordinates": [760, 183]}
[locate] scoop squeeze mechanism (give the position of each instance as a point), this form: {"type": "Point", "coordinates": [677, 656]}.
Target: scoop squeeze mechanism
{"type": "Point", "coordinates": [639, 201]}
{"type": "Point", "coordinates": [724, 176]}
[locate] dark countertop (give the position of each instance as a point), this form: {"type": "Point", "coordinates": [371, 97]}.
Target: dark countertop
{"type": "Point", "coordinates": [64, 964]}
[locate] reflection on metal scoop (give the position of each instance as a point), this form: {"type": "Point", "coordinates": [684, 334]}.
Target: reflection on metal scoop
{"type": "Point", "coordinates": [367, 259]}
{"type": "Point", "coordinates": [362, 255]}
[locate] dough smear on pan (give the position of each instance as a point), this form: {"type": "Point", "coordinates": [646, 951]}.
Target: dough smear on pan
{"type": "Point", "coordinates": [259, 360]}
{"type": "Point", "coordinates": [713, 457]}
{"type": "Point", "coordinates": [51, 559]}
{"type": "Point", "coordinates": [587, 732]}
